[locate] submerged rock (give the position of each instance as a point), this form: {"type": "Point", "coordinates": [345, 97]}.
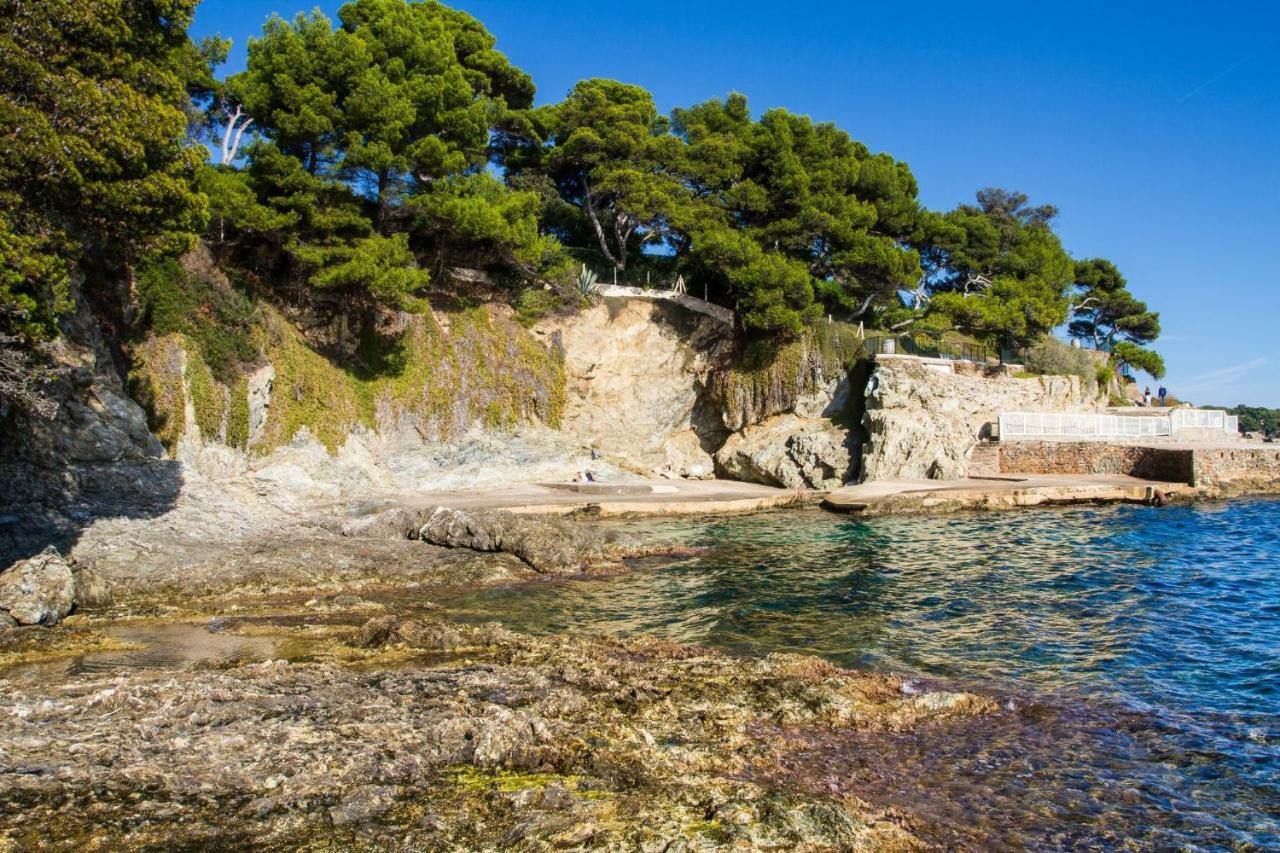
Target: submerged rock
{"type": "Point", "coordinates": [547, 544]}
{"type": "Point", "coordinates": [38, 591]}
{"type": "Point", "coordinates": [510, 742]}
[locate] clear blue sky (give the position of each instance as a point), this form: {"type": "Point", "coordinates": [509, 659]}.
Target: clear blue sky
{"type": "Point", "coordinates": [1155, 127]}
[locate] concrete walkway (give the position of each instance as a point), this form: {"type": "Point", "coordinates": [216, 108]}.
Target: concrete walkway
{"type": "Point", "coordinates": [630, 498]}
{"type": "Point", "coordinates": [1008, 491]}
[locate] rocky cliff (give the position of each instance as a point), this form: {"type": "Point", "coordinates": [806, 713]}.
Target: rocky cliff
{"type": "Point", "coordinates": [466, 396]}
{"type": "Point", "coordinates": [636, 383]}
{"type": "Point", "coordinates": [794, 413]}
{"type": "Point", "coordinates": [656, 388]}
{"type": "Point", "coordinates": [925, 423]}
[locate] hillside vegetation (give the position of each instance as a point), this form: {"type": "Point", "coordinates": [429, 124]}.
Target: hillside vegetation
{"type": "Point", "coordinates": [438, 373]}
{"type": "Point", "coordinates": [379, 177]}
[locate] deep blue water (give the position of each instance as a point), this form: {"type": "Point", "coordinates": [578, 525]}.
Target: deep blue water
{"type": "Point", "coordinates": [1137, 650]}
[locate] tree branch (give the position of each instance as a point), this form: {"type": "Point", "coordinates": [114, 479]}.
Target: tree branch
{"type": "Point", "coordinates": [231, 136]}
{"type": "Point", "coordinates": [866, 303]}
{"type": "Point", "coordinates": [590, 208]}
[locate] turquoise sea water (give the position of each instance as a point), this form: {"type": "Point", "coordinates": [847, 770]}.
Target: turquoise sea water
{"type": "Point", "coordinates": [1136, 652]}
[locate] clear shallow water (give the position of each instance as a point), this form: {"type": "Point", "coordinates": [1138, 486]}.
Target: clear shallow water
{"type": "Point", "coordinates": [1137, 649]}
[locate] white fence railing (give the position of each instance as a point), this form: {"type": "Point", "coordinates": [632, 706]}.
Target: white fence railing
{"type": "Point", "coordinates": [693, 303]}
{"type": "Point", "coordinates": [1016, 425]}
{"type": "Point", "coordinates": [1203, 419]}
{"type": "Point", "coordinates": [1027, 424]}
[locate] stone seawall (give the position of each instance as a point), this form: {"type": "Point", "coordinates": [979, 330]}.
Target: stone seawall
{"type": "Point", "coordinates": [1167, 464]}
{"type": "Point", "coordinates": [1213, 470]}
{"type": "Point", "coordinates": [1231, 470]}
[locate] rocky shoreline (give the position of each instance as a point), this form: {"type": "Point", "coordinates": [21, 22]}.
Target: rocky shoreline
{"type": "Point", "coordinates": [377, 725]}
{"type": "Point", "coordinates": [412, 734]}
{"type": "Point", "coordinates": [372, 723]}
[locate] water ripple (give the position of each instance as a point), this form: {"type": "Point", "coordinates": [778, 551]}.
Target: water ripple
{"type": "Point", "coordinates": [1153, 634]}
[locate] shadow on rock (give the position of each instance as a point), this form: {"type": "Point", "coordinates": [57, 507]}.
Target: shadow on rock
{"type": "Point", "coordinates": [45, 506]}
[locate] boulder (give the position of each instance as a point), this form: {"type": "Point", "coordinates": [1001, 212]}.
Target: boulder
{"type": "Point", "coordinates": [91, 589]}
{"type": "Point", "coordinates": [549, 545]}
{"type": "Point", "coordinates": [38, 591]}
{"type": "Point", "coordinates": [791, 452]}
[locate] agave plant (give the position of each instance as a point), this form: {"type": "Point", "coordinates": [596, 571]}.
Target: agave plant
{"type": "Point", "coordinates": [588, 284]}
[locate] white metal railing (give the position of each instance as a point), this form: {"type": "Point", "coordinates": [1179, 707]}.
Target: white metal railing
{"type": "Point", "coordinates": [1039, 424]}
{"type": "Point", "coordinates": [1198, 419]}
{"type": "Point", "coordinates": [693, 303]}
{"type": "Point", "coordinates": [1015, 425]}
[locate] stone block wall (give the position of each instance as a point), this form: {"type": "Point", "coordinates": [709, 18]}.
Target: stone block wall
{"type": "Point", "coordinates": [1229, 470]}
{"type": "Point", "coordinates": [1167, 464]}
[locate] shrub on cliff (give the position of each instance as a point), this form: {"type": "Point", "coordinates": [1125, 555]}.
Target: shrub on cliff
{"type": "Point", "coordinates": [212, 314]}
{"type": "Point", "coordinates": [1051, 357]}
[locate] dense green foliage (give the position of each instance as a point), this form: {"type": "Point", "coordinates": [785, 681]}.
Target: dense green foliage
{"type": "Point", "coordinates": [389, 149]}
{"type": "Point", "coordinates": [606, 152]}
{"type": "Point", "coordinates": [373, 137]}
{"type": "Point", "coordinates": [91, 113]}
{"type": "Point", "coordinates": [1257, 418]}
{"type": "Point", "coordinates": [92, 161]}
{"type": "Point", "coordinates": [1105, 309]}
{"type": "Point", "coordinates": [996, 269]}
{"type": "Point", "coordinates": [1139, 358]}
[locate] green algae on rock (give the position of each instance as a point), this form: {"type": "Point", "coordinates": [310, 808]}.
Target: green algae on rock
{"type": "Point", "coordinates": [507, 742]}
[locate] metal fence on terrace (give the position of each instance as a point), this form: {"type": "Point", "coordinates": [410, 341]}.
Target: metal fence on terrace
{"type": "Point", "coordinates": [1016, 425]}
{"type": "Point", "coordinates": [1027, 424]}
{"type": "Point", "coordinates": [1204, 419]}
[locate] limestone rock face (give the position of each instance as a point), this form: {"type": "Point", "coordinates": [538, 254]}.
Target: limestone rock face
{"type": "Point", "coordinates": [38, 591]}
{"type": "Point", "coordinates": [259, 400]}
{"type": "Point", "coordinates": [636, 383]}
{"type": "Point", "coordinates": [925, 424]}
{"type": "Point", "coordinates": [791, 452]}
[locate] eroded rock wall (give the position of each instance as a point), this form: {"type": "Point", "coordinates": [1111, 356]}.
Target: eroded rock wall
{"type": "Point", "coordinates": [924, 424]}
{"type": "Point", "coordinates": [636, 383]}
{"type": "Point", "coordinates": [97, 420]}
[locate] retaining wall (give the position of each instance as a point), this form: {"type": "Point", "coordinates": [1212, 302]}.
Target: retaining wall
{"type": "Point", "coordinates": [1215, 470]}
{"type": "Point", "coordinates": [1234, 470]}
{"type": "Point", "coordinates": [1168, 464]}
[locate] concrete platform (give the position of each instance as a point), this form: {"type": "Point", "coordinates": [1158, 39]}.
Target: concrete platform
{"type": "Point", "coordinates": [998, 492]}
{"type": "Point", "coordinates": [629, 498]}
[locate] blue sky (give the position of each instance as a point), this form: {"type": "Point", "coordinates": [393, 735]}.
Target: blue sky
{"type": "Point", "coordinates": [1154, 127]}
